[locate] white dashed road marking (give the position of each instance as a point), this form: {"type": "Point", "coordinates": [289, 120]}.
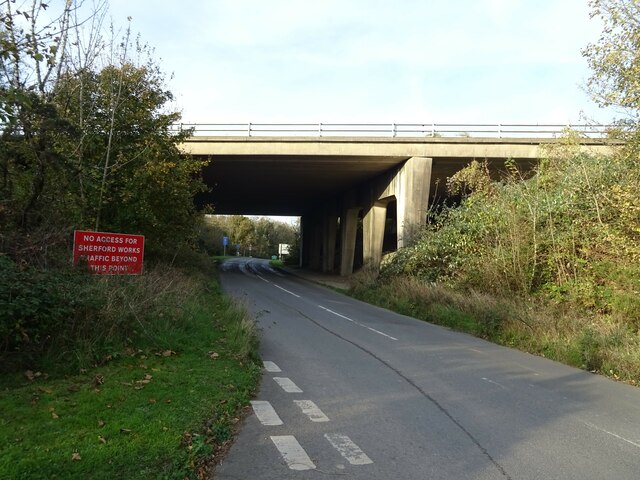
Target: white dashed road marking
{"type": "Point", "coordinates": [285, 290]}
{"type": "Point", "coordinates": [349, 450]}
{"type": "Point", "coordinates": [311, 410]}
{"type": "Point", "coordinates": [271, 367]}
{"type": "Point", "coordinates": [287, 385]}
{"type": "Point", "coordinates": [265, 413]}
{"type": "Point", "coordinates": [357, 323]}
{"type": "Point", "coordinates": [293, 453]}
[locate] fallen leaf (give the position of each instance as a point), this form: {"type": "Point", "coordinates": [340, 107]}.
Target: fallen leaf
{"type": "Point", "coordinates": [167, 401]}
{"type": "Point", "coordinates": [75, 456]}
{"type": "Point", "coordinates": [214, 355]}
{"type": "Point", "coordinates": [101, 439]}
{"type": "Point", "coordinates": [168, 353]}
{"type": "Point", "coordinates": [187, 439]}
{"type": "Point", "coordinates": [29, 374]}
{"type": "Point", "coordinates": [101, 423]}
{"type": "Point", "coordinates": [152, 400]}
{"type": "Point", "coordinates": [98, 380]}
{"type": "Point", "coordinates": [125, 430]}
{"type": "Point", "coordinates": [54, 415]}
{"type": "Point", "coordinates": [45, 390]}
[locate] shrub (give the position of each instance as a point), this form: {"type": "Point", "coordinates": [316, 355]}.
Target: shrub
{"type": "Point", "coordinates": [73, 319]}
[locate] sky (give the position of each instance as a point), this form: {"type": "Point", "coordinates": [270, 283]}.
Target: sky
{"type": "Point", "coordinates": [369, 61]}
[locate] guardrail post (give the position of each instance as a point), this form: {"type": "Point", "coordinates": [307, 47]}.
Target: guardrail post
{"type": "Point", "coordinates": [433, 129]}
{"type": "Point", "coordinates": [499, 130]}
{"type": "Point", "coordinates": [249, 128]}
{"type": "Point", "coordinates": [393, 130]}
{"type": "Point", "coordinates": [319, 129]}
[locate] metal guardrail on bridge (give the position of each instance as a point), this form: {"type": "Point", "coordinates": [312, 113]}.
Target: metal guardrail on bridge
{"type": "Point", "coordinates": [407, 130]}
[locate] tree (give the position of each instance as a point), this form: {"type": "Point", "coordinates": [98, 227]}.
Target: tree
{"type": "Point", "coordinates": [615, 58]}
{"type": "Point", "coordinates": [130, 174]}
{"type": "Point", "coordinates": [86, 136]}
{"type": "Point", "coordinates": [258, 237]}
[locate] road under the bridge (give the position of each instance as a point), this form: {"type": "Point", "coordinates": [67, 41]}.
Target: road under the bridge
{"type": "Point", "coordinates": [342, 187]}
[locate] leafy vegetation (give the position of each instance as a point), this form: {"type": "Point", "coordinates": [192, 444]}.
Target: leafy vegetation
{"type": "Point", "coordinates": [164, 407]}
{"type": "Point", "coordinates": [547, 261]}
{"type": "Point", "coordinates": [258, 237]}
{"type": "Point", "coordinates": [104, 376]}
{"type": "Point", "coordinates": [615, 58]}
{"type": "Point", "coordinates": [86, 144]}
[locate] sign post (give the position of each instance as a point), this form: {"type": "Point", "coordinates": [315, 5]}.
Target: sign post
{"type": "Point", "coordinates": [109, 253]}
{"type": "Point", "coordinates": [225, 242]}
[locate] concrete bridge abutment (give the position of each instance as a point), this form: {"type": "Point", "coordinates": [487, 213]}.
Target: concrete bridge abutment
{"type": "Point", "coordinates": [407, 185]}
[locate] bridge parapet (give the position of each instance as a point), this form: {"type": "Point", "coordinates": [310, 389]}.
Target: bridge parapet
{"type": "Point", "coordinates": [408, 130]}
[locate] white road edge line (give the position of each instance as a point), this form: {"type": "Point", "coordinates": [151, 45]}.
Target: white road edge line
{"type": "Point", "coordinates": [349, 450]}
{"type": "Point", "coordinates": [292, 452]}
{"type": "Point", "coordinates": [271, 367]}
{"type": "Point", "coordinates": [311, 410]}
{"type": "Point", "coordinates": [262, 278]}
{"type": "Point", "coordinates": [265, 413]}
{"type": "Point", "coordinates": [285, 290]}
{"type": "Point", "coordinates": [612, 434]}
{"type": "Point", "coordinates": [287, 385]}
{"type": "Point", "coordinates": [357, 323]}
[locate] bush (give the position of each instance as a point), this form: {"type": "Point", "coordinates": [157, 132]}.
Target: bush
{"type": "Point", "coordinates": [36, 305]}
{"type": "Point", "coordinates": [571, 233]}
{"type": "Point", "coordinates": [71, 319]}
{"type": "Point", "coordinates": [565, 239]}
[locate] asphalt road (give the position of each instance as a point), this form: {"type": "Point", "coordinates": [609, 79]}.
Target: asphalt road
{"type": "Point", "coordinates": [358, 392]}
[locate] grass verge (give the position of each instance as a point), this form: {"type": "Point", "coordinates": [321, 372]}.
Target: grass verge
{"type": "Point", "coordinates": [145, 412]}
{"type": "Point", "coordinates": [597, 344]}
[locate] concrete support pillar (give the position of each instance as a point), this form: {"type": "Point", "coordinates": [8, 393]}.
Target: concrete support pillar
{"type": "Point", "coordinates": [312, 242]}
{"type": "Point", "coordinates": [348, 232]}
{"type": "Point", "coordinates": [329, 234]}
{"type": "Point", "coordinates": [412, 187]}
{"type": "Point", "coordinates": [373, 233]}
{"type": "Point", "coordinates": [315, 250]}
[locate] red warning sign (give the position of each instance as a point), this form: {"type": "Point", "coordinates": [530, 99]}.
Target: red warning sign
{"type": "Point", "coordinates": [109, 253]}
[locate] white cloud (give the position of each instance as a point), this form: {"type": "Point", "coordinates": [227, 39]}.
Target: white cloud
{"type": "Point", "coordinates": [357, 60]}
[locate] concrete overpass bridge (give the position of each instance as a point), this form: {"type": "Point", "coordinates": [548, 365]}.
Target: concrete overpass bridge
{"type": "Point", "coordinates": [359, 189]}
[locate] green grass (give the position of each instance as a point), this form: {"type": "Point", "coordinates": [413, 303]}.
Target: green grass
{"type": "Point", "coordinates": [600, 345]}
{"type": "Point", "coordinates": [145, 414]}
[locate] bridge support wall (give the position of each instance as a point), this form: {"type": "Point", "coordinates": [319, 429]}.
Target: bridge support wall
{"type": "Point", "coordinates": [408, 185]}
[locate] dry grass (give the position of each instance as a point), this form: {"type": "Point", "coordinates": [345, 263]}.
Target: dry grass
{"type": "Point", "coordinates": [599, 344]}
